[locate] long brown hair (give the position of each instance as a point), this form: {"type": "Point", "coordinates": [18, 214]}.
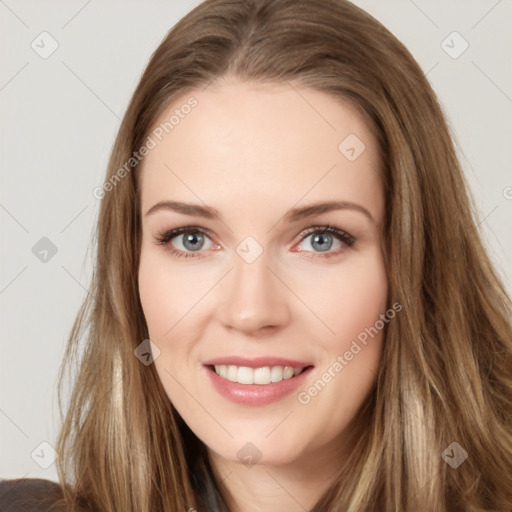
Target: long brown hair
{"type": "Point", "coordinates": [446, 370]}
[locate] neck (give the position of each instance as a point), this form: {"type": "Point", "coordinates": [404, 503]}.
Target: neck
{"type": "Point", "coordinates": [294, 486]}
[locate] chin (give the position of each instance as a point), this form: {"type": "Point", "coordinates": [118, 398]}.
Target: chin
{"type": "Point", "coordinates": [250, 451]}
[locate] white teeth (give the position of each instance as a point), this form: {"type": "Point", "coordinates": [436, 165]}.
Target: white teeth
{"type": "Point", "coordinates": [276, 374]}
{"type": "Point", "coordinates": [221, 369]}
{"type": "Point", "coordinates": [263, 375]}
{"type": "Point", "coordinates": [232, 373]}
{"type": "Point", "coordinates": [245, 375]}
{"type": "Point", "coordinates": [288, 372]}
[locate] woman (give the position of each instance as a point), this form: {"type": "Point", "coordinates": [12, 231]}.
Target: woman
{"type": "Point", "coordinates": [291, 307]}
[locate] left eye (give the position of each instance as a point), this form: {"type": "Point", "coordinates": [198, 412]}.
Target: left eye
{"type": "Point", "coordinates": [324, 239]}
{"type": "Point", "coordinates": [321, 242]}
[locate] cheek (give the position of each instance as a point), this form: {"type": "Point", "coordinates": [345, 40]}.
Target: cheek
{"type": "Point", "coordinates": [157, 298]}
{"type": "Point", "coordinates": [363, 300]}
{"type": "Point", "coordinates": [348, 299]}
{"type": "Point", "coordinates": [164, 297]}
{"type": "Point", "coordinates": [354, 303]}
{"type": "Point", "coordinates": [167, 294]}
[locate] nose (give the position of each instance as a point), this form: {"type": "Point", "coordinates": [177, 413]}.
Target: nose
{"type": "Point", "coordinates": [252, 300]}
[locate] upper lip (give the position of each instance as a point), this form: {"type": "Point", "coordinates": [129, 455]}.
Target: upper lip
{"type": "Point", "coordinates": [256, 362]}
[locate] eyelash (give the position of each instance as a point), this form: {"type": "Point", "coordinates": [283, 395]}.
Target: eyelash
{"type": "Point", "coordinates": [165, 237]}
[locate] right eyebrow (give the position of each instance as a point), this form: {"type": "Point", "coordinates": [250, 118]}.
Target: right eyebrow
{"type": "Point", "coordinates": [185, 208]}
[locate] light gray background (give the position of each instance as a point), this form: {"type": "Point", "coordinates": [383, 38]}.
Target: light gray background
{"type": "Point", "coordinates": [59, 119]}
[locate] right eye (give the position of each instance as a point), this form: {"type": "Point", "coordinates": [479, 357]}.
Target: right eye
{"type": "Point", "coordinates": [185, 241]}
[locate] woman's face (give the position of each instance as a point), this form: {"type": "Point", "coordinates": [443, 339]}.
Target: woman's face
{"type": "Point", "coordinates": [255, 282]}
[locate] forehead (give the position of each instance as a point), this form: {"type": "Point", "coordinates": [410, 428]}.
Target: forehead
{"type": "Point", "coordinates": [242, 143]}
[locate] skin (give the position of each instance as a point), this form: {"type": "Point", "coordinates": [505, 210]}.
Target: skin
{"type": "Point", "coordinates": [253, 152]}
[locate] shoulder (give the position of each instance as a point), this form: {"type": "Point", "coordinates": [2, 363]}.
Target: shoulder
{"type": "Point", "coordinates": [30, 495]}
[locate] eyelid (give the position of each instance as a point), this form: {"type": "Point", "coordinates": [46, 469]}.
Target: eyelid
{"type": "Point", "coordinates": [341, 234]}
{"type": "Point", "coordinates": [168, 234]}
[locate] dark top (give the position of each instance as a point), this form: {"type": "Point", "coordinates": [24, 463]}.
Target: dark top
{"type": "Point", "coordinates": [30, 495]}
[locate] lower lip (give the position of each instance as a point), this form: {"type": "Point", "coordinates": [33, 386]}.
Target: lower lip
{"type": "Point", "coordinates": [256, 394]}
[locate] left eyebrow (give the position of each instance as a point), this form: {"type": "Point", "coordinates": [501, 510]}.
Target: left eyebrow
{"type": "Point", "coordinates": [296, 214]}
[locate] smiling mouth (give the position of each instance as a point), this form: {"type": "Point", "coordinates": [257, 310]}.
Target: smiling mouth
{"type": "Point", "coordinates": [263, 376]}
